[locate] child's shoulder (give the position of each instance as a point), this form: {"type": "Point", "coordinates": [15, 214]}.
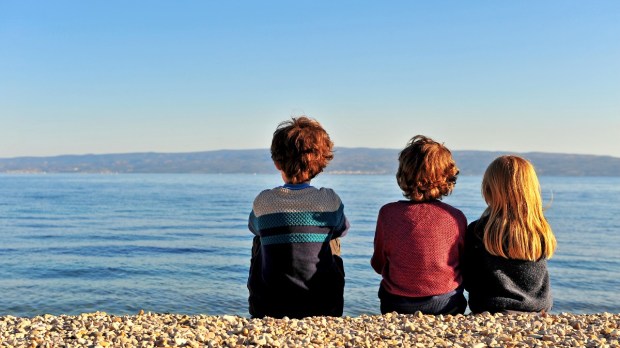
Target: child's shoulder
{"type": "Point", "coordinates": [472, 225]}
{"type": "Point", "coordinates": [268, 201]}
{"type": "Point", "coordinates": [449, 207]}
{"type": "Point", "coordinates": [305, 199]}
{"type": "Point", "coordinates": [456, 213]}
{"type": "Point", "coordinates": [435, 207]}
{"type": "Point", "coordinates": [265, 193]}
{"type": "Point", "coordinates": [434, 204]}
{"type": "Point", "coordinates": [267, 196]}
{"type": "Point", "coordinates": [476, 227]}
{"type": "Point", "coordinates": [437, 204]}
{"type": "Point", "coordinates": [329, 192]}
{"type": "Point", "coordinates": [326, 191]}
{"type": "Point", "coordinates": [394, 205]}
{"type": "Point", "coordinates": [325, 195]}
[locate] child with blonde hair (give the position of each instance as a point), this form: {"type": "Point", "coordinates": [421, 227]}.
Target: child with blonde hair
{"type": "Point", "coordinates": [419, 241]}
{"type": "Point", "coordinates": [506, 250]}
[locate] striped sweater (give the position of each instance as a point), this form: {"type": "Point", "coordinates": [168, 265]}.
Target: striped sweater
{"type": "Point", "coordinates": [293, 270]}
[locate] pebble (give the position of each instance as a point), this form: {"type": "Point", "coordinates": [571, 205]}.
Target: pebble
{"type": "Point", "coordinates": [100, 329]}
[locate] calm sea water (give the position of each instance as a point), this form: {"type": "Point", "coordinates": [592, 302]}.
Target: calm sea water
{"type": "Point", "coordinates": [179, 243]}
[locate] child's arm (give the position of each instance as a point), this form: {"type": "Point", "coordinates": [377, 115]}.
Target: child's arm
{"type": "Point", "coordinates": [467, 263]}
{"type": "Point", "coordinates": [253, 224]}
{"type": "Point", "coordinates": [378, 257]}
{"type": "Point", "coordinates": [342, 225]}
{"type": "Point", "coordinates": [342, 229]}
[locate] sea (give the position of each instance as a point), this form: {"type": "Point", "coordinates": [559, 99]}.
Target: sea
{"type": "Point", "coordinates": [179, 243]}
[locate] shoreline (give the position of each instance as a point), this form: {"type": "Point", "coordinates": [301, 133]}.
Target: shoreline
{"type": "Point", "coordinates": [415, 330]}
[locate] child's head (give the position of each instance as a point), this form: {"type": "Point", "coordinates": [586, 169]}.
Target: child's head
{"type": "Point", "coordinates": [426, 170]}
{"type": "Point", "coordinates": [301, 149]}
{"type": "Point", "coordinates": [517, 228]}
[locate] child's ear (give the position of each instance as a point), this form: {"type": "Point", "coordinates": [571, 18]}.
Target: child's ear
{"type": "Point", "coordinates": [278, 167]}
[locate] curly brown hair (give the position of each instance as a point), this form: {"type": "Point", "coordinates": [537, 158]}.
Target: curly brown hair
{"type": "Point", "coordinates": [301, 148]}
{"type": "Point", "coordinates": [426, 170]}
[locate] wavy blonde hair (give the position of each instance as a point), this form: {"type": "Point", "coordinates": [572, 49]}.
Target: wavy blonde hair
{"type": "Point", "coordinates": [516, 227]}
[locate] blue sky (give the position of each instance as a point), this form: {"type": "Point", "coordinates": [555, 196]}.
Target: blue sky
{"type": "Point", "coordinates": [174, 76]}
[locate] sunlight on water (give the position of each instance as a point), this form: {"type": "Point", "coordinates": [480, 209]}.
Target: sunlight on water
{"type": "Point", "coordinates": [180, 243]}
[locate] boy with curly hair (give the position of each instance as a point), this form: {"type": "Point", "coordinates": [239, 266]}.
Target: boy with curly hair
{"type": "Point", "coordinates": [419, 242]}
{"type": "Point", "coordinates": [296, 269]}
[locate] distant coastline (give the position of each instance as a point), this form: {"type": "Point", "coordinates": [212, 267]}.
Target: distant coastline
{"type": "Point", "coordinates": [362, 161]}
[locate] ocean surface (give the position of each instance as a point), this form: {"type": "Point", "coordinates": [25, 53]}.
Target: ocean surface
{"type": "Point", "coordinates": [179, 243]}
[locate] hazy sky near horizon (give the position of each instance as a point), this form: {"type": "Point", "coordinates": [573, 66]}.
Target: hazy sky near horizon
{"type": "Point", "coordinates": [82, 77]}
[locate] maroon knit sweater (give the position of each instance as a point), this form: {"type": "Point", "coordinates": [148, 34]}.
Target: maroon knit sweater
{"type": "Point", "coordinates": [418, 247]}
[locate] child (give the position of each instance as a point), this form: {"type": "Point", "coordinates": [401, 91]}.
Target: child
{"type": "Point", "coordinates": [505, 267]}
{"type": "Point", "coordinates": [296, 270]}
{"type": "Point", "coordinates": [419, 242]}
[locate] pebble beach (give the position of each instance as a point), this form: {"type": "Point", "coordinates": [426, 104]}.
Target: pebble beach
{"type": "Point", "coordinates": [390, 330]}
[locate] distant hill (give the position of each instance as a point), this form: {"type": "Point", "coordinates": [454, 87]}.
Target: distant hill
{"type": "Point", "coordinates": [346, 161]}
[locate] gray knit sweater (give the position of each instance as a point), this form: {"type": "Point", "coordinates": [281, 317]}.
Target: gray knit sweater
{"type": "Point", "coordinates": [496, 284]}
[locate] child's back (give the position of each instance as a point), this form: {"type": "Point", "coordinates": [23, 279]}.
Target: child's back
{"type": "Point", "coordinates": [423, 243]}
{"type": "Point", "coordinates": [506, 250]}
{"type": "Point", "coordinates": [498, 284]}
{"type": "Point", "coordinates": [299, 275]}
{"type": "Point", "coordinates": [296, 269]}
{"type": "Point", "coordinates": [418, 243]}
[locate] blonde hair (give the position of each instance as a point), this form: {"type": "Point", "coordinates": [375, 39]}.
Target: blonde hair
{"type": "Point", "coordinates": [516, 227]}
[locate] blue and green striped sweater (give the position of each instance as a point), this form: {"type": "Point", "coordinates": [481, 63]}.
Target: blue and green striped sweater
{"type": "Point", "coordinates": [293, 271]}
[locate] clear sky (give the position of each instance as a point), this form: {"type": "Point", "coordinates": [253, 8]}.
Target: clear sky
{"type": "Point", "coordinates": [82, 77]}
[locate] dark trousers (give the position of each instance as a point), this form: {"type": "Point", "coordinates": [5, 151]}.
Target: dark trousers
{"type": "Point", "coordinates": [291, 304]}
{"type": "Point", "coordinates": [453, 302]}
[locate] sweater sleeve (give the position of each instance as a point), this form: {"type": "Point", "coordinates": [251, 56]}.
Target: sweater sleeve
{"type": "Point", "coordinates": [378, 257]}
{"type": "Point", "coordinates": [343, 228]}
{"type": "Point", "coordinates": [253, 224]}
{"type": "Point", "coordinates": [469, 273]}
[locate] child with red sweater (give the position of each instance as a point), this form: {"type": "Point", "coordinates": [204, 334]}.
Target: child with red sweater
{"type": "Point", "coordinates": [419, 242]}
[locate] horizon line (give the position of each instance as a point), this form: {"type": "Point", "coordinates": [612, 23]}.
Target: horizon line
{"type": "Point", "coordinates": [267, 149]}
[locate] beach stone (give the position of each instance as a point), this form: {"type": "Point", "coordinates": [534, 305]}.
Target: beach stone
{"type": "Point", "coordinates": [391, 330]}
